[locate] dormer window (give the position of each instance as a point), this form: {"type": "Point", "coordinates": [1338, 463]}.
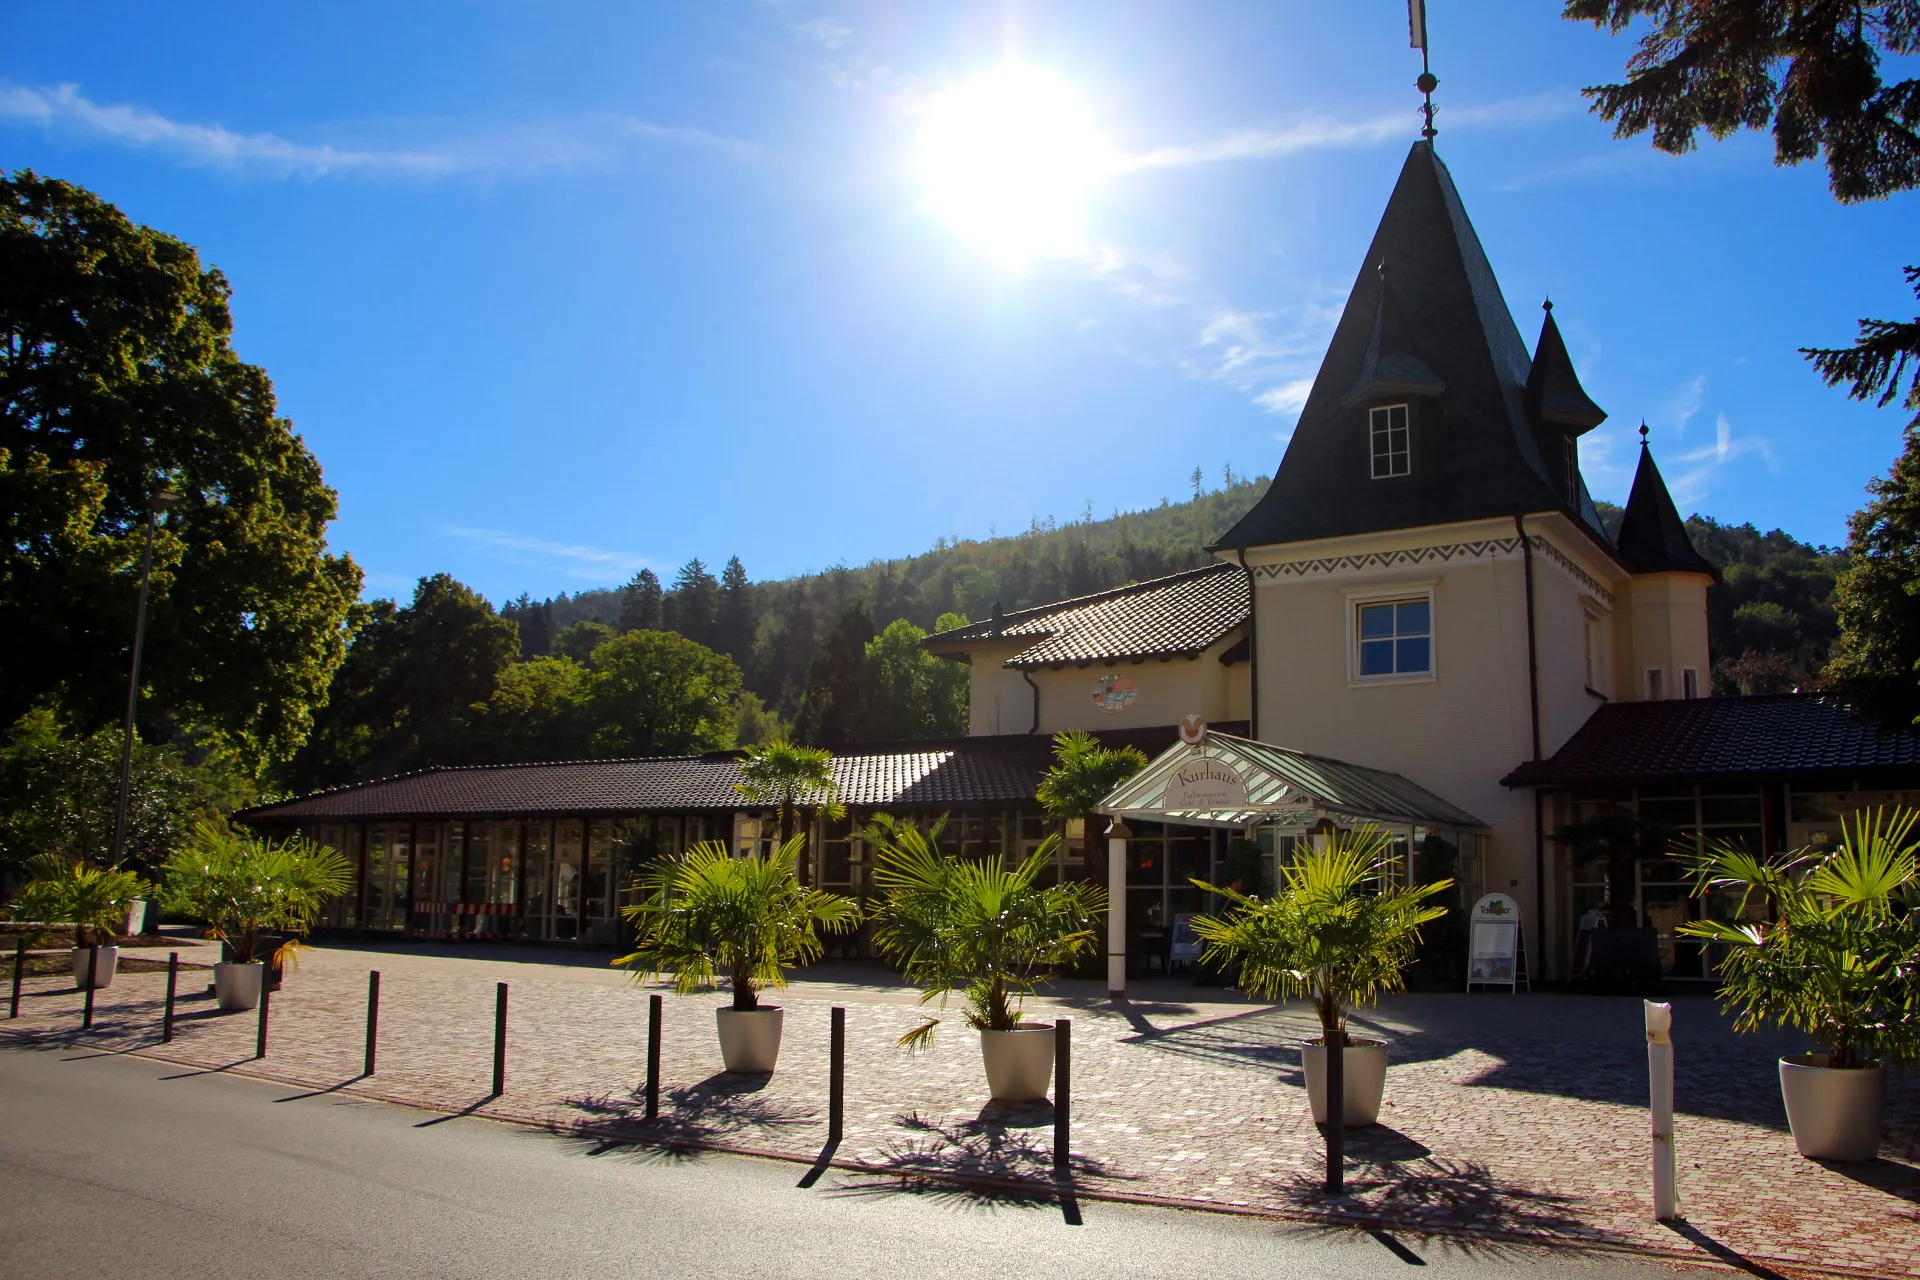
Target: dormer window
{"type": "Point", "coordinates": [1387, 434]}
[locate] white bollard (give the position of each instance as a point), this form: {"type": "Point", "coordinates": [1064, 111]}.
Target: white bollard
{"type": "Point", "coordinates": [1666, 1192]}
{"type": "Point", "coordinates": [1117, 836]}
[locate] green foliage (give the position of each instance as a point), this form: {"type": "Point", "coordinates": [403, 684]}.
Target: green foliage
{"type": "Point", "coordinates": [1083, 773]}
{"type": "Point", "coordinates": [975, 925]}
{"type": "Point", "coordinates": [654, 693]}
{"type": "Point", "coordinates": [1876, 662]}
{"type": "Point", "coordinates": [833, 708]}
{"type": "Point", "coordinates": [580, 640]}
{"type": "Point", "coordinates": [911, 693]}
{"type": "Point", "coordinates": [1837, 954]}
{"type": "Point", "coordinates": [1811, 69]}
{"type": "Point", "coordinates": [641, 601]}
{"type": "Point", "coordinates": [413, 689]}
{"type": "Point", "coordinates": [1872, 367]}
{"type": "Point", "coordinates": [58, 792]}
{"type": "Point", "coordinates": [709, 911]}
{"type": "Point", "coordinates": [238, 885]}
{"type": "Point", "coordinates": [1340, 931]}
{"type": "Point", "coordinates": [537, 712]}
{"type": "Point", "coordinates": [92, 899]}
{"type": "Point", "coordinates": [755, 723]}
{"type": "Point", "coordinates": [785, 776]}
{"type": "Point", "coordinates": [118, 378]}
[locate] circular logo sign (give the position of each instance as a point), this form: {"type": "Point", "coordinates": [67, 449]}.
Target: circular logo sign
{"type": "Point", "coordinates": [1193, 729]}
{"type": "Point", "coordinates": [1114, 693]}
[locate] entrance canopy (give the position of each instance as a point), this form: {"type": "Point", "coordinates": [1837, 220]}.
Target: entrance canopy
{"type": "Point", "coordinates": [1225, 781]}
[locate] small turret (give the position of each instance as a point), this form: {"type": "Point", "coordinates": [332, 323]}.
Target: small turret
{"type": "Point", "coordinates": [1668, 594]}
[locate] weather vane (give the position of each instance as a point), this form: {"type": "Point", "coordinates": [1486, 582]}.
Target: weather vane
{"type": "Point", "coordinates": [1428, 82]}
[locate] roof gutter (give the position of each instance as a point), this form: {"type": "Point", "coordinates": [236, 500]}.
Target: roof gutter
{"type": "Point", "coordinates": [1028, 677]}
{"type": "Point", "coordinates": [1539, 814]}
{"type": "Point", "coordinates": [1253, 650]}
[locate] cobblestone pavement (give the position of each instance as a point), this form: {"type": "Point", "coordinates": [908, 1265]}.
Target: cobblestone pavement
{"type": "Point", "coordinates": [1503, 1120]}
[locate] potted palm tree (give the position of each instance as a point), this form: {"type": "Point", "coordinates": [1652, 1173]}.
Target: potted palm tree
{"type": "Point", "coordinates": [240, 886]}
{"type": "Point", "coordinates": [1825, 942]}
{"type": "Point", "coordinates": [1339, 931]}
{"type": "Point", "coordinates": [751, 916]}
{"type": "Point", "coordinates": [94, 900]}
{"type": "Point", "coordinates": [1083, 774]}
{"type": "Point", "coordinates": [988, 929]}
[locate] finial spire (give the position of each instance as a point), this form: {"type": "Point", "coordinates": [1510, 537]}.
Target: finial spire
{"type": "Point", "coordinates": [1643, 433]}
{"type": "Point", "coordinates": [1428, 82]}
{"type": "Point", "coordinates": [1547, 306]}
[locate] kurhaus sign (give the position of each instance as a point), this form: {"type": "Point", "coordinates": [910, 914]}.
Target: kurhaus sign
{"type": "Point", "coordinates": [1205, 783]}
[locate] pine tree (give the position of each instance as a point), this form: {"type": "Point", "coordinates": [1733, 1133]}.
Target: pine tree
{"type": "Point", "coordinates": [696, 602]}
{"type": "Point", "coordinates": [833, 708]}
{"type": "Point", "coordinates": [1876, 661]}
{"type": "Point", "coordinates": [640, 603]}
{"type": "Point", "coordinates": [739, 617]}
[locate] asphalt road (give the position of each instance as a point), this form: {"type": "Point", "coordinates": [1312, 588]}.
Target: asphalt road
{"type": "Point", "coordinates": [120, 1166]}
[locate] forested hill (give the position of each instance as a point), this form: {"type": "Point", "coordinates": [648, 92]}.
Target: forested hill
{"type": "Point", "coordinates": [773, 628]}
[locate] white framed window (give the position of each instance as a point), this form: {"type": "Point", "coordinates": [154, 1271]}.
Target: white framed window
{"type": "Point", "coordinates": [1393, 638]}
{"type": "Point", "coordinates": [1656, 684]}
{"type": "Point", "coordinates": [1387, 436]}
{"type": "Point", "coordinates": [1689, 683]}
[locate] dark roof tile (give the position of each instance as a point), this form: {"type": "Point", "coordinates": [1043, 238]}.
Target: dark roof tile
{"type": "Point", "coordinates": [1176, 616]}
{"type": "Point", "coordinates": [1677, 741]}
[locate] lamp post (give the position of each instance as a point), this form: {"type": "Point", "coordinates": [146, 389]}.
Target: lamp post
{"type": "Point", "coordinates": [160, 501]}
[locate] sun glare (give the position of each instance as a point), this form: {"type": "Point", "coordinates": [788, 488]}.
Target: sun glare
{"type": "Point", "coordinates": [1010, 161]}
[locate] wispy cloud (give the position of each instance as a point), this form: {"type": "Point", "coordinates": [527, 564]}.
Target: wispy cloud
{"type": "Point", "coordinates": [591, 564]}
{"type": "Point", "coordinates": [586, 142]}
{"type": "Point", "coordinates": [1680, 407]}
{"type": "Point", "coordinates": [1701, 465]}
{"type": "Point", "coordinates": [1309, 135]}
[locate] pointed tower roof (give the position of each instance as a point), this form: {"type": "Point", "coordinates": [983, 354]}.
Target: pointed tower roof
{"type": "Point", "coordinates": [1477, 456]}
{"type": "Point", "coordinates": [1393, 365]}
{"type": "Point", "coordinates": [1653, 538]}
{"type": "Point", "coordinates": [1554, 393]}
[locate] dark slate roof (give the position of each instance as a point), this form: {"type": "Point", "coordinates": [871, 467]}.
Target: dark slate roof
{"type": "Point", "coordinates": [1178, 616]}
{"type": "Point", "coordinates": [1393, 365]}
{"type": "Point", "coordinates": [1653, 538]}
{"type": "Point", "coordinates": [1691, 740]}
{"type": "Point", "coordinates": [1554, 393]}
{"type": "Point", "coordinates": [1480, 458]}
{"type": "Point", "coordinates": [998, 770]}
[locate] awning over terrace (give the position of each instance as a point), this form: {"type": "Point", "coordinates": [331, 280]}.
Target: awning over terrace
{"type": "Point", "coordinates": [1236, 782]}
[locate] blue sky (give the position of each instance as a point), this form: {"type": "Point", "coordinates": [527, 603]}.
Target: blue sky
{"type": "Point", "coordinates": [557, 291]}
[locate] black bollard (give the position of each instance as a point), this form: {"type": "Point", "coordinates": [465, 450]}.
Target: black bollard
{"type": "Point", "coordinates": [1336, 1046]}
{"type": "Point", "coordinates": [1062, 1092]}
{"type": "Point", "coordinates": [93, 976]}
{"type": "Point", "coordinates": [266, 1001]}
{"type": "Point", "coordinates": [373, 1018]}
{"type": "Point", "coordinates": [173, 983]}
{"type": "Point", "coordinates": [19, 967]}
{"type": "Point", "coordinates": [836, 1074]}
{"type": "Point", "coordinates": [653, 1057]}
{"type": "Point", "coordinates": [499, 1038]}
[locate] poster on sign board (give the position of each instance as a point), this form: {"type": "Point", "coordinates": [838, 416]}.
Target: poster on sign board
{"type": "Point", "coordinates": [1493, 945]}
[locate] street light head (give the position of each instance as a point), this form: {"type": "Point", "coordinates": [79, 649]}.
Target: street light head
{"type": "Point", "coordinates": [162, 500]}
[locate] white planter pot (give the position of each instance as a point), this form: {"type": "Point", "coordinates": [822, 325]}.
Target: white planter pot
{"type": "Point", "coordinates": [237, 986]}
{"type": "Point", "coordinates": [750, 1038]}
{"type": "Point", "coordinates": [1835, 1114]}
{"type": "Point", "coordinates": [103, 978]}
{"type": "Point", "coordinates": [1363, 1081]}
{"type": "Point", "coordinates": [1019, 1063]}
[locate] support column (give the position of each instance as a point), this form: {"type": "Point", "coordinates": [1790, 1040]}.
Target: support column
{"type": "Point", "coordinates": [1117, 837]}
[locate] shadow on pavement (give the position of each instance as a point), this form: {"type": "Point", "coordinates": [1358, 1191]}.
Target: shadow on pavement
{"type": "Point", "coordinates": [1733, 1258]}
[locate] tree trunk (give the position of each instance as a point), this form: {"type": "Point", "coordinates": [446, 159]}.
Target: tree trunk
{"type": "Point", "coordinates": [744, 996]}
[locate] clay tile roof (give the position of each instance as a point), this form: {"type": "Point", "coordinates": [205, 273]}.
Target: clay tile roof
{"type": "Point", "coordinates": [997, 770]}
{"type": "Point", "coordinates": [1173, 617]}
{"type": "Point", "coordinates": [1769, 734]}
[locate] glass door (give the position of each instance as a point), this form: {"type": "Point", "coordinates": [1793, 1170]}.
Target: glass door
{"type": "Point", "coordinates": [567, 868]}
{"type": "Point", "coordinates": [536, 876]}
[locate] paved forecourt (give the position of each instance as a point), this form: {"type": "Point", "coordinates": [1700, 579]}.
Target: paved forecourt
{"type": "Point", "coordinates": [1511, 1117]}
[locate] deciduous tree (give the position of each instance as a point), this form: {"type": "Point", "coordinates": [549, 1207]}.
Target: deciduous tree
{"type": "Point", "coordinates": [118, 378]}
